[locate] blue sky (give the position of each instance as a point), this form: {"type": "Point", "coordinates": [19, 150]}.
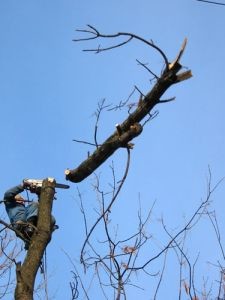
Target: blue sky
{"type": "Point", "coordinates": [50, 90]}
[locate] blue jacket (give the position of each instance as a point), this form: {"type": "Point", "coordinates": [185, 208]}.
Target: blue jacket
{"type": "Point", "coordinates": [15, 210]}
{"type": "Point", "coordinates": [11, 193]}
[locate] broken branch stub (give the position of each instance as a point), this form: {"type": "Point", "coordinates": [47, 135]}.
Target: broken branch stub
{"type": "Point", "coordinates": [131, 127]}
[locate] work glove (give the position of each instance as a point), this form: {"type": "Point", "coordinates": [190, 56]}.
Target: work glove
{"type": "Point", "coordinates": [29, 186]}
{"type": "Point", "coordinates": [25, 184]}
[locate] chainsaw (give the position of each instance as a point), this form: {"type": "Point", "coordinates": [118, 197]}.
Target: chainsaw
{"type": "Point", "coordinates": [35, 184]}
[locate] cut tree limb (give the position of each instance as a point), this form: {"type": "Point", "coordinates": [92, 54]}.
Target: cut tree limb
{"type": "Point", "coordinates": [131, 127]}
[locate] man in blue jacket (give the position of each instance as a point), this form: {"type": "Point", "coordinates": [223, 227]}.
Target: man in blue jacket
{"type": "Point", "coordinates": [23, 217]}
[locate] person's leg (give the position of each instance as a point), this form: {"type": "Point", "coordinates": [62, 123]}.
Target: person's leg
{"type": "Point", "coordinates": [53, 223]}
{"type": "Point", "coordinates": [16, 212]}
{"type": "Point", "coordinates": [31, 220]}
{"type": "Point", "coordinates": [17, 215]}
{"type": "Point", "coordinates": [32, 213]}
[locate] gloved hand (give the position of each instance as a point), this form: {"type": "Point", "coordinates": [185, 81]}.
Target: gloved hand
{"type": "Point", "coordinates": [29, 186]}
{"type": "Point", "coordinates": [25, 184]}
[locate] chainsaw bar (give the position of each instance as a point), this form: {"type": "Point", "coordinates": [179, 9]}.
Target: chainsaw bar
{"type": "Point", "coordinates": [62, 186]}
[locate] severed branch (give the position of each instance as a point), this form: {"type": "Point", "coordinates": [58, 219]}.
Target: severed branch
{"type": "Point", "coordinates": [131, 127]}
{"type": "Point", "coordinates": [119, 140]}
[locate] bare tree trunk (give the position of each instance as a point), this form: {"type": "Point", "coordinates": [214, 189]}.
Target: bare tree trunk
{"type": "Point", "coordinates": [26, 273]}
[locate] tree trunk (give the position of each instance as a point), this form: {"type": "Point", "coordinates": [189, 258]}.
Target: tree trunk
{"type": "Point", "coordinates": [26, 272]}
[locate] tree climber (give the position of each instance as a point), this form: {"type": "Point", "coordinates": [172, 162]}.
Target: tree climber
{"type": "Point", "coordinates": [23, 217]}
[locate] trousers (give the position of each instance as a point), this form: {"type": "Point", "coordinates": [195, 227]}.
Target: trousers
{"type": "Point", "coordinates": [19, 212]}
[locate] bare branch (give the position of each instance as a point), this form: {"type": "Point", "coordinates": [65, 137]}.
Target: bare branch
{"type": "Point", "coordinates": [167, 100]}
{"type": "Point", "coordinates": [161, 276]}
{"type": "Point", "coordinates": [144, 66]}
{"type": "Point", "coordinates": [108, 208]}
{"type": "Point", "coordinates": [84, 142]}
{"type": "Point", "coordinates": [186, 258]}
{"type": "Point", "coordinates": [213, 220]}
{"type": "Point", "coordinates": [101, 107]}
{"type": "Point", "coordinates": [212, 2]}
{"type": "Point", "coordinates": [123, 103]}
{"type": "Point", "coordinates": [199, 212]}
{"type": "Point", "coordinates": [77, 274]}
{"type": "Point", "coordinates": [96, 34]}
{"type": "Point", "coordinates": [74, 287]}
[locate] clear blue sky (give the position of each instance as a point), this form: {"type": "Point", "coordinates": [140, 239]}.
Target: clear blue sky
{"type": "Point", "coordinates": [49, 90]}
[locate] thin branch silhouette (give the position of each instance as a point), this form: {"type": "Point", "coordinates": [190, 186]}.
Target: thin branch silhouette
{"type": "Point", "coordinates": [108, 207]}
{"type": "Point", "coordinates": [95, 34]}
{"type": "Point", "coordinates": [212, 2]}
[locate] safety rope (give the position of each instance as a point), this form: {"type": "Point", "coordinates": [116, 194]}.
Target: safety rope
{"type": "Point", "coordinates": [43, 269]}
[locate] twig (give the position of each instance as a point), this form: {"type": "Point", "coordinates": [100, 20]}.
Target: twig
{"type": "Point", "coordinates": [101, 107]}
{"type": "Point", "coordinates": [144, 66]}
{"type": "Point", "coordinates": [77, 274]}
{"type": "Point", "coordinates": [96, 34]}
{"type": "Point", "coordinates": [74, 286]}
{"type": "Point", "coordinates": [161, 276]}
{"type": "Point", "coordinates": [200, 210]}
{"type": "Point", "coordinates": [123, 103]}
{"type": "Point", "coordinates": [186, 258]}
{"type": "Point", "coordinates": [82, 210]}
{"type": "Point", "coordinates": [213, 220]}
{"type": "Point", "coordinates": [84, 142]}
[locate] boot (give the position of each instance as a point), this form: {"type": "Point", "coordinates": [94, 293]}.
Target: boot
{"type": "Point", "coordinates": [28, 231]}
{"type": "Point", "coordinates": [32, 220]}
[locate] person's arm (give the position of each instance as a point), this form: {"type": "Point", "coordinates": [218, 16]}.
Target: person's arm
{"type": "Point", "coordinates": [11, 193]}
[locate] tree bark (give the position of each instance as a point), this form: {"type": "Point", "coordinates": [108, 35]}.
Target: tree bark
{"type": "Point", "coordinates": [26, 273]}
